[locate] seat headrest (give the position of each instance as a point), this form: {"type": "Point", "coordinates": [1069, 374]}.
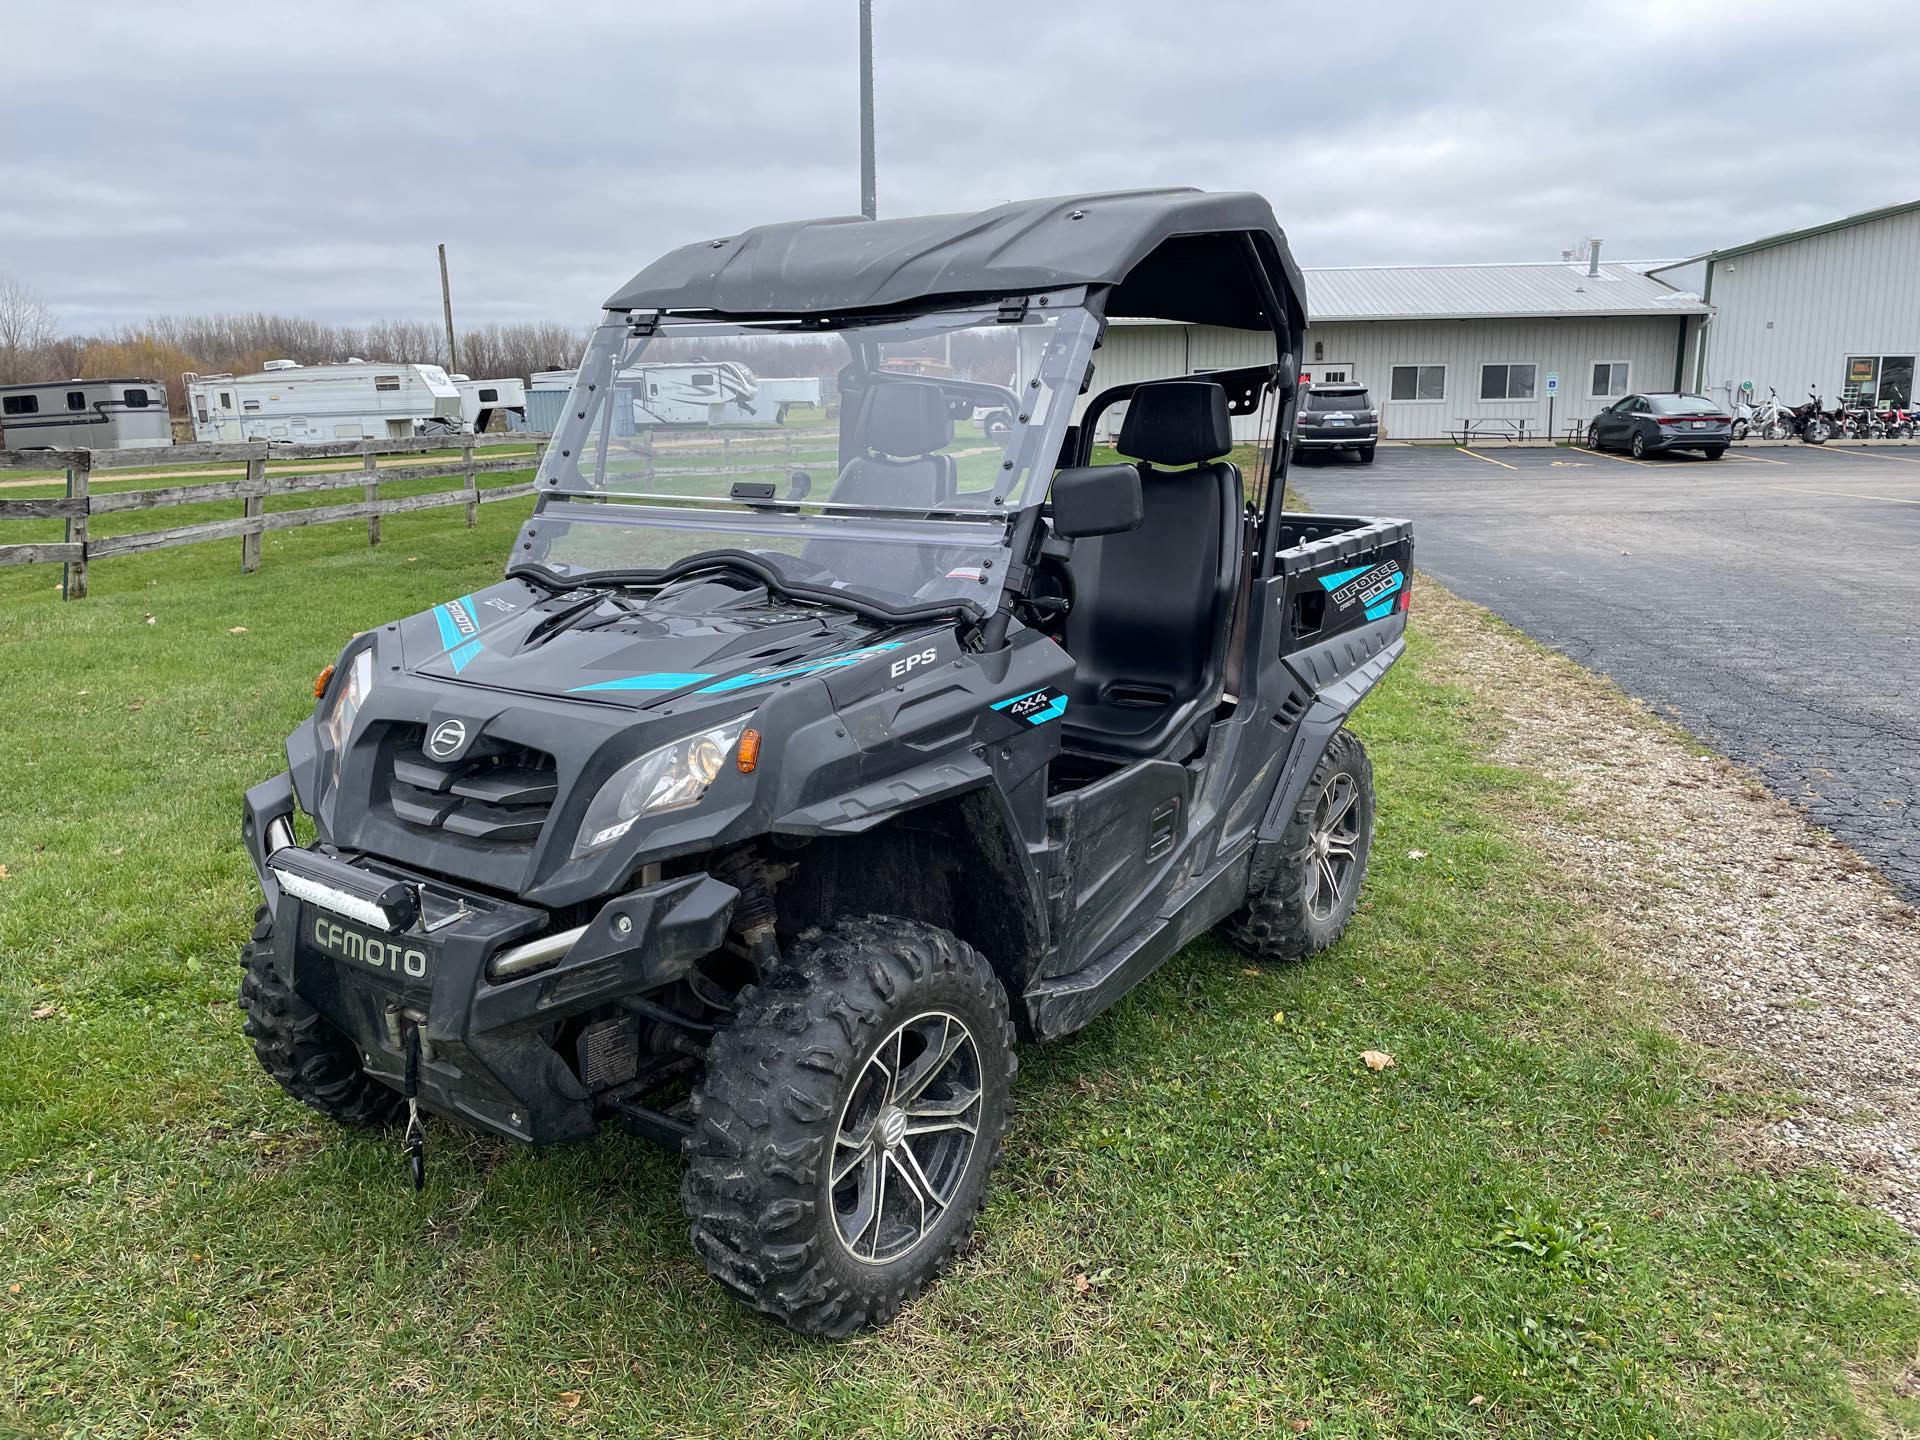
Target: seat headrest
{"type": "Point", "coordinates": [1176, 422]}
{"type": "Point", "coordinates": [907, 417]}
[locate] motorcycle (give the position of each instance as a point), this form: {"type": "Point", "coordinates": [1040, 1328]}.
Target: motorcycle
{"type": "Point", "coordinates": [1811, 420]}
{"type": "Point", "coordinates": [1769, 420]}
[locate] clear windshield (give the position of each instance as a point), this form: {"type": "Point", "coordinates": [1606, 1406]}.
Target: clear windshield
{"type": "Point", "coordinates": [884, 458]}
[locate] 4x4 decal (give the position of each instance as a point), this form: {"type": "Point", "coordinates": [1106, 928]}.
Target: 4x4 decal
{"type": "Point", "coordinates": [1036, 707]}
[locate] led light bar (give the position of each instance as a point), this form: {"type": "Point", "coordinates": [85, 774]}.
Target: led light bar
{"type": "Point", "coordinates": [336, 886]}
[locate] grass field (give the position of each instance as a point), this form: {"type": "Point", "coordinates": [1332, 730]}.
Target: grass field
{"type": "Point", "coordinates": [1214, 1218]}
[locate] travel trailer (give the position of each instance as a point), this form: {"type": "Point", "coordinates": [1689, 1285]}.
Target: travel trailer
{"type": "Point", "coordinates": [129, 414]}
{"type": "Point", "coordinates": [479, 399]}
{"type": "Point", "coordinates": [698, 392]}
{"type": "Point", "coordinates": [357, 400]}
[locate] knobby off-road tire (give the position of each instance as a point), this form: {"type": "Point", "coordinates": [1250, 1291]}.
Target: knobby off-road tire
{"type": "Point", "coordinates": [1306, 905]}
{"type": "Point", "coordinates": [775, 1176]}
{"type": "Point", "coordinates": [295, 1044]}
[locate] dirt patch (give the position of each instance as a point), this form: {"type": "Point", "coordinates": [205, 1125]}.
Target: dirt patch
{"type": "Point", "coordinates": [1793, 950]}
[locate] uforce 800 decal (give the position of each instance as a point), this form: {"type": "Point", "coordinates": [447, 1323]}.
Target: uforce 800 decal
{"type": "Point", "coordinates": [1373, 586]}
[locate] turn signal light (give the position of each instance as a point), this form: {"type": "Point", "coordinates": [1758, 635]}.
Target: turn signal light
{"type": "Point", "coordinates": [748, 755]}
{"type": "Point", "coordinates": [320, 682]}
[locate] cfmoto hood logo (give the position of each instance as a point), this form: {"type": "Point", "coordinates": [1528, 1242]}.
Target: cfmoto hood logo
{"type": "Point", "coordinates": [447, 738]}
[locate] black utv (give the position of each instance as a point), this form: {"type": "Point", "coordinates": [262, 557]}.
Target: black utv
{"type": "Point", "coordinates": [794, 771]}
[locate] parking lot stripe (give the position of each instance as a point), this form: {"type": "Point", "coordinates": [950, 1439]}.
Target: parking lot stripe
{"type": "Point", "coordinates": [1488, 458]}
{"type": "Point", "coordinates": [1760, 460]}
{"type": "Point", "coordinates": [1623, 459]}
{"type": "Point", "coordinates": [1876, 455]}
{"type": "Point", "coordinates": [1850, 495]}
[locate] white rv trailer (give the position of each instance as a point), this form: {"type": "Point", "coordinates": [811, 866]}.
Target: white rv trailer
{"type": "Point", "coordinates": [480, 398]}
{"type": "Point", "coordinates": [702, 392]}
{"type": "Point", "coordinates": [356, 400]}
{"type": "Point", "coordinates": [128, 414]}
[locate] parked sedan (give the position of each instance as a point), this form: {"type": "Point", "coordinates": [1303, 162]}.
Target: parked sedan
{"type": "Point", "coordinates": [1669, 420]}
{"type": "Point", "coordinates": [1338, 417]}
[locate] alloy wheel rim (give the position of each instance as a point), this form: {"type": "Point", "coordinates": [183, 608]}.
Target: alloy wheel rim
{"type": "Point", "coordinates": [905, 1138]}
{"type": "Point", "coordinates": [1333, 847]}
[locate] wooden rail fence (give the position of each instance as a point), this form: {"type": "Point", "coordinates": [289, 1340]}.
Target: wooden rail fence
{"type": "Point", "coordinates": [252, 490]}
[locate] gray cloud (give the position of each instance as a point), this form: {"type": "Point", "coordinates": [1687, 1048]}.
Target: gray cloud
{"type": "Point", "coordinates": [223, 156]}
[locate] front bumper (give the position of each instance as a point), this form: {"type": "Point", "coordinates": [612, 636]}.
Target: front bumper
{"type": "Point", "coordinates": [496, 1047]}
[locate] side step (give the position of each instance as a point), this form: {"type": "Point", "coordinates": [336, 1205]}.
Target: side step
{"type": "Point", "coordinates": [1065, 1003]}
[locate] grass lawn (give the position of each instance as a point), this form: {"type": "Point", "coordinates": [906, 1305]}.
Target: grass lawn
{"type": "Point", "coordinates": [1213, 1218]}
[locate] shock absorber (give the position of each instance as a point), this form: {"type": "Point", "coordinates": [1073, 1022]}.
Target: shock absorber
{"type": "Point", "coordinates": [753, 912]}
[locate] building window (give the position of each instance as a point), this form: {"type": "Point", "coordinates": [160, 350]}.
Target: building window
{"type": "Point", "coordinates": [1506, 382]}
{"type": "Point", "coordinates": [1609, 380]}
{"type": "Point", "coordinates": [76, 399]}
{"type": "Point", "coordinates": [386, 382]}
{"type": "Point", "coordinates": [489, 396]}
{"type": "Point", "coordinates": [250, 406]}
{"type": "Point", "coordinates": [1418, 382]}
{"type": "Point", "coordinates": [136, 399]}
{"type": "Point", "coordinates": [20, 405]}
{"type": "Point", "coordinates": [1878, 380]}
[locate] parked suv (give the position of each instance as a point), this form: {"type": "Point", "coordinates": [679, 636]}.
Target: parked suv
{"type": "Point", "coordinates": [1339, 417]}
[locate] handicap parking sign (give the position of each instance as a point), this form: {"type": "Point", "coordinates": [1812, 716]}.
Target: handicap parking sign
{"type": "Point", "coordinates": [1553, 382]}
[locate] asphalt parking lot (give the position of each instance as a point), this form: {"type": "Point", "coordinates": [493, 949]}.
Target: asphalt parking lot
{"type": "Point", "coordinates": [1768, 601]}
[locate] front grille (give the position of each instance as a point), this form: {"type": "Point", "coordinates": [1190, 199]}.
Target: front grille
{"type": "Point", "coordinates": [495, 793]}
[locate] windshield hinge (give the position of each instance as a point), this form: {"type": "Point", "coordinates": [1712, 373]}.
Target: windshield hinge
{"type": "Point", "coordinates": [641, 327]}
{"type": "Point", "coordinates": [1013, 310]}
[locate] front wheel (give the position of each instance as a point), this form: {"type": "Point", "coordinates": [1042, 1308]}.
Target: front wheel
{"type": "Point", "coordinates": [296, 1045]}
{"type": "Point", "coordinates": [1739, 429]}
{"type": "Point", "coordinates": [846, 1123]}
{"type": "Point", "coordinates": [1815, 432]}
{"type": "Point", "coordinates": [1314, 889]}
{"type": "Point", "coordinates": [1593, 437]}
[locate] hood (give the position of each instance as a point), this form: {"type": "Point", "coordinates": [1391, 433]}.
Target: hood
{"type": "Point", "coordinates": [699, 638]}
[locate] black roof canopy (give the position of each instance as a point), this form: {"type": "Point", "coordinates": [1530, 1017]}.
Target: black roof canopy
{"type": "Point", "coordinates": [1175, 254]}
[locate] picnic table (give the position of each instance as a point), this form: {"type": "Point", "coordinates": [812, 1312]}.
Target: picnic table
{"type": "Point", "coordinates": [1466, 430]}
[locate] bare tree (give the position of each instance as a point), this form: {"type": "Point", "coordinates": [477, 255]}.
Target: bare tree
{"type": "Point", "coordinates": [27, 328]}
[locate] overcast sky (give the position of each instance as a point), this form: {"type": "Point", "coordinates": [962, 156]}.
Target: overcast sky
{"type": "Point", "coordinates": [196, 157]}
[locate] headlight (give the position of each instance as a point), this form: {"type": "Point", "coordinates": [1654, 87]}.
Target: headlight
{"type": "Point", "coordinates": [670, 778]}
{"type": "Point", "coordinates": [337, 723]}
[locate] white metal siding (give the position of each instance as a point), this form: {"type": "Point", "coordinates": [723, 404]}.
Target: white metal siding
{"type": "Point", "coordinates": [1649, 345]}
{"type": "Point", "coordinates": [1166, 352]}
{"type": "Point", "coordinates": [1572, 347]}
{"type": "Point", "coordinates": [1789, 316]}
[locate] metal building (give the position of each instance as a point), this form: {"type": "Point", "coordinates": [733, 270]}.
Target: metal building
{"type": "Point", "coordinates": [1833, 306]}
{"type": "Point", "coordinates": [1534, 347]}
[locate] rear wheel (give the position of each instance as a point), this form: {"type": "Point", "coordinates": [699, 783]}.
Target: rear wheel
{"type": "Point", "coordinates": [1639, 446]}
{"type": "Point", "coordinates": [295, 1044]}
{"type": "Point", "coordinates": [846, 1123]}
{"type": "Point", "coordinates": [1366, 454]}
{"type": "Point", "coordinates": [1714, 452]}
{"type": "Point", "coordinates": [1323, 862]}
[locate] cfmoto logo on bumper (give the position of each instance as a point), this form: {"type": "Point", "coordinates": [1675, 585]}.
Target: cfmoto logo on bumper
{"type": "Point", "coordinates": [388, 955]}
{"type": "Point", "coordinates": [447, 738]}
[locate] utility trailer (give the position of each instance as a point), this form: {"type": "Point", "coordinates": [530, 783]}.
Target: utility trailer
{"type": "Point", "coordinates": [481, 399]}
{"type": "Point", "coordinates": [123, 414]}
{"type": "Point", "coordinates": [353, 400]}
